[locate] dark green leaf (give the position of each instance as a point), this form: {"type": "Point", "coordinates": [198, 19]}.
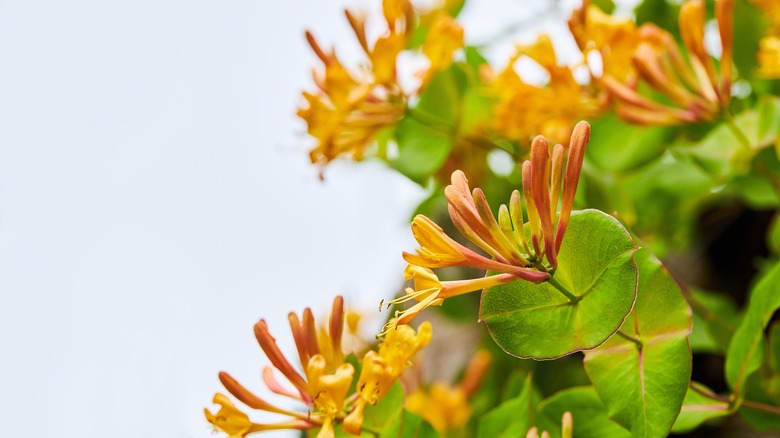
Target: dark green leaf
{"type": "Point", "coordinates": [588, 412]}
{"type": "Point", "coordinates": [617, 146]}
{"type": "Point", "coordinates": [644, 386]}
{"type": "Point", "coordinates": [697, 409]}
{"type": "Point", "coordinates": [537, 321]}
{"type": "Point", "coordinates": [746, 349]}
{"type": "Point", "coordinates": [512, 418]}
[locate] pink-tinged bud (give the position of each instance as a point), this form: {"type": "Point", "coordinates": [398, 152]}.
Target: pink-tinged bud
{"type": "Point", "coordinates": [336, 328]}
{"type": "Point", "coordinates": [556, 178]}
{"type": "Point", "coordinates": [270, 381]}
{"type": "Point", "coordinates": [530, 207]}
{"type": "Point", "coordinates": [567, 425]}
{"type": "Point", "coordinates": [309, 330]}
{"type": "Point", "coordinates": [248, 398]}
{"type": "Point", "coordinates": [540, 190]}
{"type": "Point", "coordinates": [532, 433]}
{"type": "Point", "coordinates": [317, 49]}
{"type": "Point", "coordinates": [358, 25]}
{"type": "Point", "coordinates": [724, 13]}
{"type": "Point", "coordinates": [579, 141]}
{"type": "Point", "coordinates": [475, 372]}
{"type": "Point", "coordinates": [297, 332]}
{"type": "Point", "coordinates": [271, 350]}
{"type": "Point", "coordinates": [691, 22]}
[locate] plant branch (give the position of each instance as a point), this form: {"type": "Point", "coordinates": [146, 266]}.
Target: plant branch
{"type": "Point", "coordinates": [633, 339]}
{"type": "Point", "coordinates": [562, 289]}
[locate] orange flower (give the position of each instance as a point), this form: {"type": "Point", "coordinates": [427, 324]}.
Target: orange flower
{"type": "Point", "coordinates": [348, 111]}
{"type": "Point", "coordinates": [383, 367]}
{"type": "Point", "coordinates": [696, 89]}
{"type": "Point", "coordinates": [523, 109]}
{"type": "Point", "coordinates": [446, 407]}
{"type": "Point", "coordinates": [769, 47]}
{"type": "Point", "coordinates": [322, 387]}
{"type": "Point", "coordinates": [510, 255]}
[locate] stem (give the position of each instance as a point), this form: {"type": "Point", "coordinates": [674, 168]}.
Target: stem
{"type": "Point", "coordinates": [556, 284]}
{"type": "Point", "coordinates": [630, 338]}
{"type": "Point", "coordinates": [748, 403]}
{"type": "Point", "coordinates": [761, 407]}
{"type": "Point", "coordinates": [743, 139]}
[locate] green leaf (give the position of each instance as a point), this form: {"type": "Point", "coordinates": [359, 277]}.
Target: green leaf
{"type": "Point", "coordinates": [618, 146]}
{"type": "Point", "coordinates": [721, 151]}
{"type": "Point", "coordinates": [421, 149]}
{"type": "Point", "coordinates": [758, 390]}
{"type": "Point", "coordinates": [644, 386]}
{"type": "Point", "coordinates": [750, 25]}
{"type": "Point", "coordinates": [425, 135]}
{"type": "Point", "coordinates": [715, 320]}
{"type": "Point", "coordinates": [697, 409]}
{"type": "Point", "coordinates": [409, 426]}
{"type": "Point", "coordinates": [768, 119]}
{"type": "Point", "coordinates": [605, 5]}
{"type": "Point", "coordinates": [746, 349]}
{"type": "Point", "coordinates": [511, 418]}
{"type": "Point", "coordinates": [387, 412]}
{"type": "Point", "coordinates": [537, 321]}
{"type": "Point", "coordinates": [588, 412]}
{"type": "Point", "coordinates": [774, 347]}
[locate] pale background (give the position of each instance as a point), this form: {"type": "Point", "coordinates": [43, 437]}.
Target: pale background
{"type": "Point", "coordinates": [156, 199]}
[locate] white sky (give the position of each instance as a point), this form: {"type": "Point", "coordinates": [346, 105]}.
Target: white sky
{"type": "Point", "coordinates": [156, 199]}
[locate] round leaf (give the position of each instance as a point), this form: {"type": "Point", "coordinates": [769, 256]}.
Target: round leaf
{"type": "Point", "coordinates": [644, 386]}
{"type": "Point", "coordinates": [595, 264]}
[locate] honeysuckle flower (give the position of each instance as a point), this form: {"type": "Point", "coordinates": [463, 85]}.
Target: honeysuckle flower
{"type": "Point", "coordinates": [236, 423]}
{"type": "Point", "coordinates": [511, 254]}
{"type": "Point", "coordinates": [769, 47]}
{"type": "Point", "coordinates": [382, 368]}
{"type": "Point", "coordinates": [322, 380]}
{"type": "Point", "coordinates": [556, 106]}
{"type": "Point", "coordinates": [444, 37]}
{"type": "Point", "coordinates": [615, 39]}
{"type": "Point", "coordinates": [696, 89]}
{"type": "Point", "coordinates": [446, 407]}
{"type": "Point", "coordinates": [349, 110]}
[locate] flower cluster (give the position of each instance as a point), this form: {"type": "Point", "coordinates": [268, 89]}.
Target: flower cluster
{"type": "Point", "coordinates": [515, 252]}
{"type": "Point", "coordinates": [349, 109]}
{"type": "Point", "coordinates": [696, 89]}
{"type": "Point", "coordinates": [556, 106]}
{"type": "Point", "coordinates": [324, 385]}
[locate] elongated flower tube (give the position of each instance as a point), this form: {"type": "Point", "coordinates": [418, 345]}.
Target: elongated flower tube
{"type": "Point", "coordinates": [511, 255]}
{"type": "Point", "coordinates": [321, 381]}
{"type": "Point", "coordinates": [697, 91]}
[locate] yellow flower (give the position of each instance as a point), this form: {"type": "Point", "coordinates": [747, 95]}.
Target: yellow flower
{"type": "Point", "coordinates": [769, 47]}
{"type": "Point", "coordinates": [323, 386]}
{"type": "Point", "coordinates": [696, 89]}
{"type": "Point", "coordinates": [446, 407]}
{"type": "Point", "coordinates": [382, 368]}
{"type": "Point", "coordinates": [523, 110]}
{"type": "Point", "coordinates": [348, 111]}
{"type": "Point", "coordinates": [444, 37]}
{"type": "Point", "coordinates": [236, 424]}
{"type": "Point", "coordinates": [510, 255]}
{"type": "Point", "coordinates": [615, 39]}
{"type": "Point", "coordinates": [769, 57]}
